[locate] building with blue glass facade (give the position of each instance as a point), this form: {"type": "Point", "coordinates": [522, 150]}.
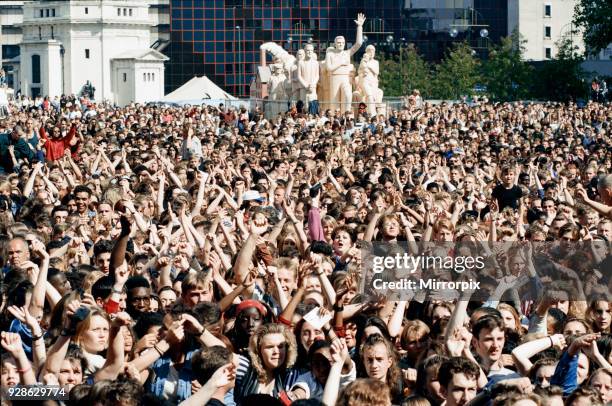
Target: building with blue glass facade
{"type": "Point", "coordinates": [221, 38]}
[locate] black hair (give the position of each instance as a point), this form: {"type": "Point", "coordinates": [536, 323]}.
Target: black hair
{"type": "Point", "coordinates": [487, 323]}
{"type": "Point", "coordinates": [457, 365]}
{"type": "Point", "coordinates": [321, 247]}
{"type": "Point", "coordinates": [81, 189]}
{"type": "Point", "coordinates": [103, 247]}
{"type": "Point", "coordinates": [146, 321]}
{"type": "Point", "coordinates": [207, 312]}
{"type": "Point", "coordinates": [137, 282]}
{"type": "Point", "coordinates": [103, 287]}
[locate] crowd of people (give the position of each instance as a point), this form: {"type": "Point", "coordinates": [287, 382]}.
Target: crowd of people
{"type": "Point", "coordinates": [205, 255]}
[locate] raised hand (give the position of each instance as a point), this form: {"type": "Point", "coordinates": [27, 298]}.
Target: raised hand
{"type": "Point", "coordinates": [38, 248]}
{"type": "Point", "coordinates": [11, 342]}
{"type": "Point", "coordinates": [176, 333]}
{"type": "Point", "coordinates": [559, 342]}
{"type": "Point", "coordinates": [214, 262]}
{"type": "Point", "coordinates": [304, 270]}
{"type": "Point", "coordinates": [163, 262]}
{"type": "Point", "coordinates": [132, 372]}
{"type": "Point", "coordinates": [31, 269]}
{"type": "Point", "coordinates": [23, 315]}
{"type": "Point", "coordinates": [259, 224]}
{"type": "Point", "coordinates": [147, 341]}
{"type": "Point", "coordinates": [89, 301]}
{"type": "Point", "coordinates": [410, 375]}
{"type": "Point", "coordinates": [583, 342]}
{"type": "Point", "coordinates": [338, 352]}
{"type": "Point", "coordinates": [121, 319]}
{"type": "Point", "coordinates": [223, 376]}
{"type": "Point", "coordinates": [121, 274]}
{"type": "Point", "coordinates": [50, 379]}
{"type": "Point", "coordinates": [191, 324]}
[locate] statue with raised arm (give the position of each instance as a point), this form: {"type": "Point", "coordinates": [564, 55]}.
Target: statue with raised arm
{"type": "Point", "coordinates": [308, 75]}
{"type": "Point", "coordinates": [368, 80]}
{"type": "Point", "coordinates": [338, 64]}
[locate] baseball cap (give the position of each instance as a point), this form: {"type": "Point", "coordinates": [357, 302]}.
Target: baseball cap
{"type": "Point", "coordinates": [252, 195]}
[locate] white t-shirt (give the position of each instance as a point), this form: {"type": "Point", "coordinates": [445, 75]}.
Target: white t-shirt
{"type": "Point", "coordinates": [95, 363]}
{"type": "Point", "coordinates": [171, 384]}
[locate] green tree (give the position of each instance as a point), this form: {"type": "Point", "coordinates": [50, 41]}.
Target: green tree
{"type": "Point", "coordinates": [415, 72]}
{"type": "Point", "coordinates": [595, 17]}
{"type": "Point", "coordinates": [458, 73]}
{"type": "Point", "coordinates": [403, 72]}
{"type": "Point", "coordinates": [387, 80]}
{"type": "Point", "coordinates": [505, 74]}
{"type": "Point", "coordinates": [561, 79]}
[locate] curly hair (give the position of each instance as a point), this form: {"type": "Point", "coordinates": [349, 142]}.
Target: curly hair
{"type": "Point", "coordinates": [365, 392]}
{"type": "Point", "coordinates": [591, 394]}
{"type": "Point", "coordinates": [393, 373]}
{"type": "Point", "coordinates": [255, 346]}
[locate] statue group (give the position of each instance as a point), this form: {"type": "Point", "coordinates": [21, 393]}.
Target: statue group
{"type": "Point", "coordinates": [304, 82]}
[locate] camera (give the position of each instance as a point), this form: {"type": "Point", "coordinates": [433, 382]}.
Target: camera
{"type": "Point", "coordinates": [314, 191]}
{"type": "Point", "coordinates": [80, 315]}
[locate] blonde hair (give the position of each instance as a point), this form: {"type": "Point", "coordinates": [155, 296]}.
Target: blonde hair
{"type": "Point", "coordinates": [90, 279]}
{"type": "Point", "coordinates": [255, 344]}
{"type": "Point", "coordinates": [413, 328]}
{"type": "Point", "coordinates": [83, 326]}
{"type": "Point", "coordinates": [443, 224]}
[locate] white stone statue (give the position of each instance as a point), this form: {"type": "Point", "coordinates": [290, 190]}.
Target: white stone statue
{"type": "Point", "coordinates": [368, 80]}
{"type": "Point", "coordinates": [298, 91]}
{"type": "Point", "coordinates": [308, 75]}
{"type": "Point", "coordinates": [338, 64]}
{"type": "Point", "coordinates": [278, 95]}
{"type": "Point", "coordinates": [279, 87]}
{"type": "Point", "coordinates": [279, 54]}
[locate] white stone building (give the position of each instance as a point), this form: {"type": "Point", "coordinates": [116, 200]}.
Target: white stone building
{"type": "Point", "coordinates": [543, 23]}
{"type": "Point", "coordinates": [139, 75]}
{"type": "Point", "coordinates": [11, 13]}
{"type": "Point", "coordinates": [68, 43]}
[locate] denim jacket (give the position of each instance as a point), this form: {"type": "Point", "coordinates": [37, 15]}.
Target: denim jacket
{"type": "Point", "coordinates": [161, 368]}
{"type": "Point", "coordinates": [566, 374]}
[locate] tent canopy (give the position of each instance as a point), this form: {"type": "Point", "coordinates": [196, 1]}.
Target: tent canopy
{"type": "Point", "coordinates": [198, 88]}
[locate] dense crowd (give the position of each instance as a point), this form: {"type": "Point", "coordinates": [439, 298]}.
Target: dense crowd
{"type": "Point", "coordinates": [205, 255]}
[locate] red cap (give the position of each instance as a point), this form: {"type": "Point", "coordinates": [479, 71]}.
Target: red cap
{"type": "Point", "coordinates": [245, 304]}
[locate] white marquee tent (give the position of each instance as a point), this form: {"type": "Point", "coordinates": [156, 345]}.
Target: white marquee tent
{"type": "Point", "coordinates": [198, 89]}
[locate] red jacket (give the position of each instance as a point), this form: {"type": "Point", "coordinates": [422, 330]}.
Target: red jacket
{"type": "Point", "coordinates": [55, 147]}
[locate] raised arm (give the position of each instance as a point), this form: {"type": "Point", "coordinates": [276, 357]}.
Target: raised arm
{"type": "Point", "coordinates": [11, 343]}
{"type": "Point", "coordinates": [395, 322]}
{"type": "Point", "coordinates": [120, 247]}
{"type": "Point", "coordinates": [524, 352]}
{"type": "Point", "coordinates": [115, 357]}
{"type": "Point", "coordinates": [359, 37]}
{"type": "Point", "coordinates": [39, 354]}
{"type": "Point", "coordinates": [40, 287]}
{"type": "Point", "coordinates": [332, 385]}
{"type": "Point", "coordinates": [58, 350]}
{"type": "Point", "coordinates": [27, 189]}
{"type": "Point", "coordinates": [68, 139]}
